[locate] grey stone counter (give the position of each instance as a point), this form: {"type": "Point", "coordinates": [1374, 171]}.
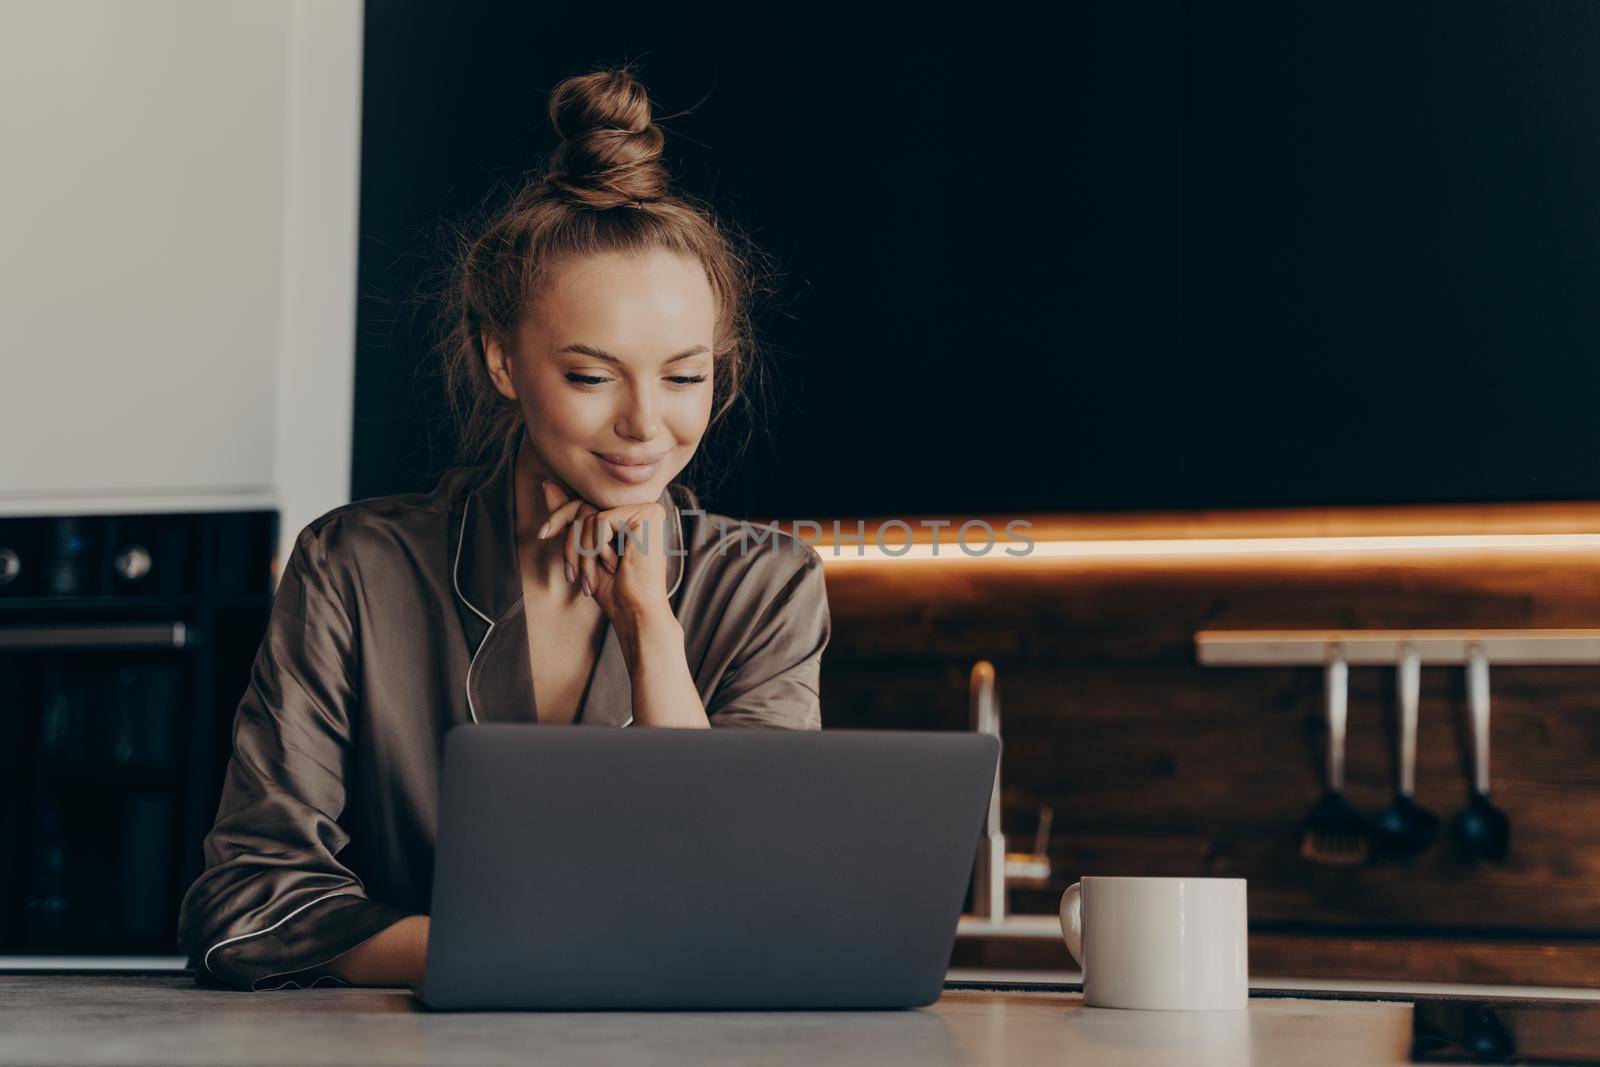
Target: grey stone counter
{"type": "Point", "coordinates": [48, 1020]}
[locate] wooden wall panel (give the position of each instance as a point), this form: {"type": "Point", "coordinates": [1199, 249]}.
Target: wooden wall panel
{"type": "Point", "coordinates": [1155, 765]}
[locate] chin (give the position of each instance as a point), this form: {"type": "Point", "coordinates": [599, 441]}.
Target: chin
{"type": "Point", "coordinates": [606, 492]}
{"type": "Point", "coordinates": [615, 496]}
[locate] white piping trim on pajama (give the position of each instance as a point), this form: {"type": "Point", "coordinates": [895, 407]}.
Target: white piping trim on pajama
{"type": "Point", "coordinates": [205, 961]}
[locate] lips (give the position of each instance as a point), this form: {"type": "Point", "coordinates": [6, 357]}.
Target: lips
{"type": "Point", "coordinates": [634, 470]}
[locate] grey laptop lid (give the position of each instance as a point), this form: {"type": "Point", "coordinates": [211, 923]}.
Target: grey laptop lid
{"type": "Point", "coordinates": [591, 867]}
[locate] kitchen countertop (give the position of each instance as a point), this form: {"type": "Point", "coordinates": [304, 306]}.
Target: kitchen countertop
{"type": "Point", "coordinates": [168, 1020]}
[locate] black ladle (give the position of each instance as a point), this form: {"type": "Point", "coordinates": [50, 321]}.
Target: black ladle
{"type": "Point", "coordinates": [1482, 830]}
{"type": "Point", "coordinates": [1405, 828]}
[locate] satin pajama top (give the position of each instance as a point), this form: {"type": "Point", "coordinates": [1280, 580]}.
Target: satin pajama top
{"type": "Point", "coordinates": [400, 617]}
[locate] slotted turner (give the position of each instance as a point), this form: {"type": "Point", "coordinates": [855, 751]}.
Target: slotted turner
{"type": "Point", "coordinates": [1335, 833]}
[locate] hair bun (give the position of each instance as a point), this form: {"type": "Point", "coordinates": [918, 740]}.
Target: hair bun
{"type": "Point", "coordinates": [610, 152]}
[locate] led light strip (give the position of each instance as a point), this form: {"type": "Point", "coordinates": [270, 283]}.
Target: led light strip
{"type": "Point", "coordinates": [1207, 546]}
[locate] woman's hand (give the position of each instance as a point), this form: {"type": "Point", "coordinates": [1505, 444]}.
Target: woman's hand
{"type": "Point", "coordinates": [395, 955]}
{"type": "Point", "coordinates": [631, 588]}
{"type": "Point", "coordinates": [628, 586]}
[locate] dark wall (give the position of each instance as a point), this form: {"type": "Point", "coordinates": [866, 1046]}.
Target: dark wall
{"type": "Point", "coordinates": [1121, 255]}
{"type": "Point", "coordinates": [1394, 238]}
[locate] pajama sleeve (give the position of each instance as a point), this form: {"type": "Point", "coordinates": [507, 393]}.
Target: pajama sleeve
{"type": "Point", "coordinates": [774, 678]}
{"type": "Point", "coordinates": [274, 903]}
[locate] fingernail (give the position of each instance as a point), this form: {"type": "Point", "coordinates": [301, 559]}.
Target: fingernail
{"type": "Point", "coordinates": [610, 567]}
{"type": "Point", "coordinates": [543, 530]}
{"type": "Point", "coordinates": [586, 589]}
{"type": "Point", "coordinates": [570, 574]}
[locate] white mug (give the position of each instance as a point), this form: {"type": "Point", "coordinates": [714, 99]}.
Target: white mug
{"type": "Point", "coordinates": [1164, 944]}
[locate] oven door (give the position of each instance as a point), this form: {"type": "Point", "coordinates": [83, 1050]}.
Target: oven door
{"type": "Point", "coordinates": [96, 759]}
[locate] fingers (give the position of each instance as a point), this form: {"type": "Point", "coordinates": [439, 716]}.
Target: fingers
{"type": "Point", "coordinates": [584, 524]}
{"type": "Point", "coordinates": [593, 539]}
{"type": "Point", "coordinates": [588, 541]}
{"type": "Point", "coordinates": [555, 497]}
{"type": "Point", "coordinates": [603, 536]}
{"type": "Point", "coordinates": [590, 534]}
{"type": "Point", "coordinates": [555, 494]}
{"type": "Point", "coordinates": [589, 548]}
{"type": "Point", "coordinates": [573, 557]}
{"type": "Point", "coordinates": [560, 517]}
{"type": "Point", "coordinates": [647, 528]}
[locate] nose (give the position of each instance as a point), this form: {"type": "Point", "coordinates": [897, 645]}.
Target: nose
{"type": "Point", "coordinates": [639, 420]}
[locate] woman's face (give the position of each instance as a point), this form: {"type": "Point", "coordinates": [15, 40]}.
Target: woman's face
{"type": "Point", "coordinates": [612, 367]}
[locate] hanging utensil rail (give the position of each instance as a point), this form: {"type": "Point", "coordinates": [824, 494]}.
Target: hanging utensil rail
{"type": "Point", "coordinates": [1285, 648]}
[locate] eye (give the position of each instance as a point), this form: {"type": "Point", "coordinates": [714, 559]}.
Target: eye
{"type": "Point", "coordinates": [591, 380]}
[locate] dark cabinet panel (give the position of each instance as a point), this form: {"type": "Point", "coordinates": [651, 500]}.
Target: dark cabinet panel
{"type": "Point", "coordinates": [1394, 251]}
{"type": "Point", "coordinates": [986, 257]}
{"type": "Point", "coordinates": [1154, 255]}
{"type": "Point", "coordinates": [977, 226]}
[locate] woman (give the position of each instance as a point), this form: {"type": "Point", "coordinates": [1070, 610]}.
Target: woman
{"type": "Point", "coordinates": [600, 321]}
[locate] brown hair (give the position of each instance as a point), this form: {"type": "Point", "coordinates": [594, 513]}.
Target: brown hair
{"type": "Point", "coordinates": [605, 189]}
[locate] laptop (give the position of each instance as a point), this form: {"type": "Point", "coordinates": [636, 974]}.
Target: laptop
{"type": "Point", "coordinates": [583, 867]}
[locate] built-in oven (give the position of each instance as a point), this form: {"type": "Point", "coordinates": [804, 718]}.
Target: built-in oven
{"type": "Point", "coordinates": [125, 644]}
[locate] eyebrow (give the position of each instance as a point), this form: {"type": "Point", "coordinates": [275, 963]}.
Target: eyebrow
{"type": "Point", "coordinates": [600, 353]}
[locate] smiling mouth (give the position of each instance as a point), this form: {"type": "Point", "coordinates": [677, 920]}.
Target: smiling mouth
{"type": "Point", "coordinates": [631, 461]}
{"type": "Point", "coordinates": [634, 473]}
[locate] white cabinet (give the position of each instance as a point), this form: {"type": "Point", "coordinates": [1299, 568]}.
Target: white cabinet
{"type": "Point", "coordinates": [177, 254]}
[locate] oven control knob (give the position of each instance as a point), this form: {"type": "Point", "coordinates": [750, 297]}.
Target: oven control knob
{"type": "Point", "coordinates": [10, 565]}
{"type": "Point", "coordinates": [133, 563]}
